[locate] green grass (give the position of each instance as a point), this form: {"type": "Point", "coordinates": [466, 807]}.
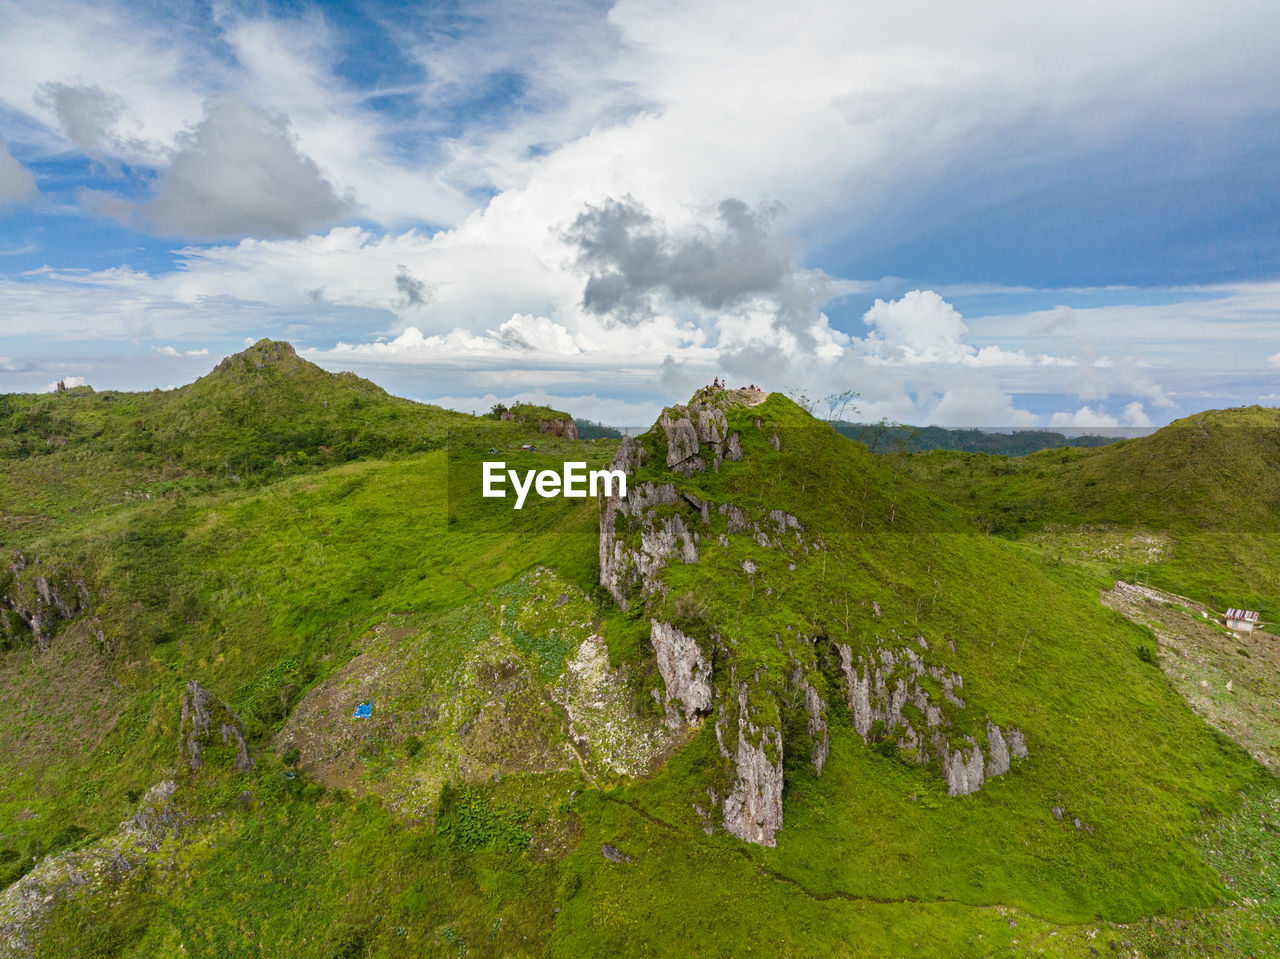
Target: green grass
{"type": "Point", "coordinates": [267, 587]}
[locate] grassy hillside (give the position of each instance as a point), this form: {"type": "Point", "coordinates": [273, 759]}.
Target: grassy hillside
{"type": "Point", "coordinates": [518, 788]}
{"type": "Point", "coordinates": [259, 415]}
{"type": "Point", "coordinates": [1199, 498]}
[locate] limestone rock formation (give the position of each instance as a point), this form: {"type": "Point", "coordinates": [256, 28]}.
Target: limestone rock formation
{"type": "Point", "coordinates": [205, 720]}
{"type": "Point", "coordinates": [685, 671]}
{"type": "Point", "coordinates": [39, 597]}
{"type": "Point", "coordinates": [25, 905]}
{"type": "Point", "coordinates": [753, 808]}
{"type": "Point", "coordinates": [885, 693]}
{"type": "Point", "coordinates": [698, 438]}
{"type": "Point", "coordinates": [563, 427]}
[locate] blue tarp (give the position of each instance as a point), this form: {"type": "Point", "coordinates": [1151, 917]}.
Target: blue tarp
{"type": "Point", "coordinates": [363, 710]}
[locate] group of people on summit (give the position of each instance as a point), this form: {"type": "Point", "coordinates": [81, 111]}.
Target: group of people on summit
{"type": "Point", "coordinates": [720, 384]}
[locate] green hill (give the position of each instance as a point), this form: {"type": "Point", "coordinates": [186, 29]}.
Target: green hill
{"type": "Point", "coordinates": [783, 698]}
{"type": "Point", "coordinates": [1202, 494]}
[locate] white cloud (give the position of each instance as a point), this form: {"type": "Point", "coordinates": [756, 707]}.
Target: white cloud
{"type": "Point", "coordinates": [237, 172]}
{"type": "Point", "coordinates": [171, 351]}
{"type": "Point", "coordinates": [1135, 415]}
{"type": "Point", "coordinates": [856, 125]}
{"type": "Point", "coordinates": [1274, 359]}
{"type": "Point", "coordinates": [919, 327]}
{"type": "Point", "coordinates": [67, 381]}
{"type": "Point", "coordinates": [17, 185]}
{"type": "Point", "coordinates": [1084, 416]}
{"type": "Point", "coordinates": [609, 410]}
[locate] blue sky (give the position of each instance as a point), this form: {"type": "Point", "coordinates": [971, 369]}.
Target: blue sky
{"type": "Point", "coordinates": [1006, 214]}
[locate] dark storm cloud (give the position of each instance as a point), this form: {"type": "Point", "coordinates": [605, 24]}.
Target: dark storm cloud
{"type": "Point", "coordinates": [635, 261]}
{"type": "Point", "coordinates": [413, 292]}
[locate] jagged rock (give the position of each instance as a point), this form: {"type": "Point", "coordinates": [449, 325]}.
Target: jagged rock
{"type": "Point", "coordinates": [682, 443]}
{"type": "Point", "coordinates": [697, 435]}
{"type": "Point", "coordinates": [201, 712]}
{"type": "Point", "coordinates": [997, 752]}
{"type": "Point", "coordinates": [753, 808]}
{"type": "Point", "coordinates": [684, 669]}
{"type": "Point", "coordinates": [817, 728]}
{"type": "Point", "coordinates": [878, 686]}
{"type": "Point", "coordinates": [26, 904]}
{"type": "Point", "coordinates": [614, 854]}
{"type": "Point", "coordinates": [1017, 743]}
{"type": "Point", "coordinates": [963, 769]}
{"type": "Point", "coordinates": [622, 565]}
{"type": "Point", "coordinates": [40, 597]}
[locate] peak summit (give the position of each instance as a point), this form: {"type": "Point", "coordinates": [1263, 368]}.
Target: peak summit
{"type": "Point", "coordinates": [262, 354]}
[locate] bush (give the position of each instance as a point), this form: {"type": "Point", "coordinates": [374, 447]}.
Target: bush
{"type": "Point", "coordinates": [1148, 654]}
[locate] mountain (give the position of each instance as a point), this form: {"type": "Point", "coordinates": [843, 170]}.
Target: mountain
{"type": "Point", "coordinates": [894, 438]}
{"type": "Point", "coordinates": [1194, 507]}
{"type": "Point", "coordinates": [785, 696]}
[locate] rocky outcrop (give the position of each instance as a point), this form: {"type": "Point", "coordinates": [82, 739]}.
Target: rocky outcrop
{"type": "Point", "coordinates": [603, 724]}
{"type": "Point", "coordinates": [262, 354]}
{"type": "Point", "coordinates": [561, 426]}
{"type": "Point", "coordinates": [753, 807]}
{"type": "Point", "coordinates": [659, 525]}
{"type": "Point", "coordinates": [656, 525]}
{"type": "Point", "coordinates": [25, 905]}
{"type": "Point", "coordinates": [685, 671]}
{"type": "Point", "coordinates": [639, 535]}
{"type": "Point", "coordinates": [206, 720]}
{"type": "Point", "coordinates": [962, 768]}
{"type": "Point", "coordinates": [698, 438]}
{"type": "Point", "coordinates": [816, 724]}
{"type": "Point", "coordinates": [888, 699]}
{"type": "Point", "coordinates": [36, 598]}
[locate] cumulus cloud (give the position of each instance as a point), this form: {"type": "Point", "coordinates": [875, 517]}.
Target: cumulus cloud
{"type": "Point", "coordinates": [1274, 360]}
{"type": "Point", "coordinates": [1136, 415]}
{"type": "Point", "coordinates": [17, 185]}
{"type": "Point", "coordinates": [8, 365]}
{"type": "Point", "coordinates": [1084, 416]}
{"type": "Point", "coordinates": [920, 326]}
{"type": "Point", "coordinates": [67, 381]}
{"type": "Point", "coordinates": [238, 172]}
{"type": "Point", "coordinates": [638, 265]}
{"type": "Point", "coordinates": [171, 351]}
{"type": "Point", "coordinates": [979, 402]}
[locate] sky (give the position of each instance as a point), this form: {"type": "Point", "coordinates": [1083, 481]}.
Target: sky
{"type": "Point", "coordinates": [994, 213]}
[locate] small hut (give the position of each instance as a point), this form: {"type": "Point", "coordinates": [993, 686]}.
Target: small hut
{"type": "Point", "coordinates": [1241, 620]}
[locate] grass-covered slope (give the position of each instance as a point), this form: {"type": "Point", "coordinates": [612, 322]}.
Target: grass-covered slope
{"type": "Point", "coordinates": [1208, 484]}
{"type": "Point", "coordinates": [516, 790]}
{"type": "Point", "coordinates": [1112, 744]}
{"type": "Point", "coordinates": [259, 415]}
